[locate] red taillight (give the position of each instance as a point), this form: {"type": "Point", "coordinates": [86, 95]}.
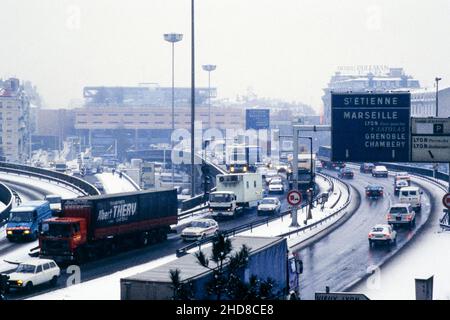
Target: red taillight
{"type": "Point", "coordinates": [389, 217]}
{"type": "Point", "coordinates": [370, 235]}
{"type": "Point", "coordinates": [408, 216]}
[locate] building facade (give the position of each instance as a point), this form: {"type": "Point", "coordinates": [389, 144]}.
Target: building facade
{"type": "Point", "coordinates": [14, 121]}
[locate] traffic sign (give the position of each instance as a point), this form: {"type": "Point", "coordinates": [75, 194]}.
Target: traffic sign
{"type": "Point", "coordinates": [430, 139]}
{"type": "Point", "coordinates": [370, 127]}
{"type": "Point", "coordinates": [294, 198]}
{"type": "Point", "coordinates": [446, 201]}
{"type": "Point", "coordinates": [340, 296]}
{"type": "Point", "coordinates": [257, 119]}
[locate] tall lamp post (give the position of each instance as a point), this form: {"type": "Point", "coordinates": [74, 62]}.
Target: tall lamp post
{"type": "Point", "coordinates": [173, 38]}
{"type": "Point", "coordinates": [209, 68]}
{"type": "Point", "coordinates": [192, 100]}
{"type": "Point", "coordinates": [437, 79]}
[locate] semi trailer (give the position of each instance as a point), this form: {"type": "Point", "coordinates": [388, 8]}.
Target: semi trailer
{"type": "Point", "coordinates": [94, 226]}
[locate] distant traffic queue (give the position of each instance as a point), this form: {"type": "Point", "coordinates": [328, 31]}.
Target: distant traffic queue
{"type": "Point", "coordinates": [324, 155]}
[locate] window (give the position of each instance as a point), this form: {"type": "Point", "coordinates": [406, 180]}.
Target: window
{"type": "Point", "coordinates": [39, 269]}
{"type": "Point", "coordinates": [46, 266]}
{"type": "Point", "coordinates": [52, 265]}
{"type": "Point", "coordinates": [248, 185]}
{"type": "Point", "coordinates": [254, 184]}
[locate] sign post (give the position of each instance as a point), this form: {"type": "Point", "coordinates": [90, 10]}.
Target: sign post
{"type": "Point", "coordinates": [430, 139]}
{"type": "Point", "coordinates": [370, 127]}
{"type": "Point", "coordinates": [294, 198]}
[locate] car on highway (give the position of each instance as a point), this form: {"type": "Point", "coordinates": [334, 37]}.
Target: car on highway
{"type": "Point", "coordinates": [34, 272]}
{"type": "Point", "coordinates": [402, 176]}
{"type": "Point", "coordinates": [374, 191]}
{"type": "Point", "coordinates": [270, 174]}
{"type": "Point", "coordinates": [380, 171]}
{"type": "Point", "coordinates": [200, 229]}
{"type": "Point", "coordinates": [411, 195]}
{"type": "Point", "coordinates": [346, 173]}
{"type": "Point", "coordinates": [276, 186]}
{"type": "Point", "coordinates": [401, 214]}
{"type": "Point", "coordinates": [398, 185]}
{"type": "Point", "coordinates": [366, 167]}
{"type": "Point", "coordinates": [319, 166]}
{"type": "Point", "coordinates": [382, 233]}
{"type": "Point", "coordinates": [269, 205]}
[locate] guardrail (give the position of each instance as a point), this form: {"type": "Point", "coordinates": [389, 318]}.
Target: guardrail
{"type": "Point", "coordinates": [131, 181]}
{"type": "Point", "coordinates": [6, 196]}
{"type": "Point", "coordinates": [249, 226]}
{"type": "Point", "coordinates": [78, 184]}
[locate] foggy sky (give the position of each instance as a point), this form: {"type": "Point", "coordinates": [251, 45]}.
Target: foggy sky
{"type": "Point", "coordinates": [284, 49]}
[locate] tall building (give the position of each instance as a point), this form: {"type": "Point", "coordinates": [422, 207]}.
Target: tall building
{"type": "Point", "coordinates": [366, 78]}
{"type": "Point", "coordinates": [14, 121]}
{"type": "Point", "coordinates": [423, 102]}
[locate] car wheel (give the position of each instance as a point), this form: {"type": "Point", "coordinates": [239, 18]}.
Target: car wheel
{"type": "Point", "coordinates": [54, 281]}
{"type": "Point", "coordinates": [29, 286]}
{"type": "Point", "coordinates": [370, 244]}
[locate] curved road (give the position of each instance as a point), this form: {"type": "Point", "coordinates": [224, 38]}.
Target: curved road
{"type": "Point", "coordinates": [344, 255]}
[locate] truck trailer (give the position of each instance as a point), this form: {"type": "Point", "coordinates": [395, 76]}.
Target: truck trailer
{"type": "Point", "coordinates": [234, 193]}
{"type": "Point", "coordinates": [268, 258]}
{"type": "Point", "coordinates": [95, 226]}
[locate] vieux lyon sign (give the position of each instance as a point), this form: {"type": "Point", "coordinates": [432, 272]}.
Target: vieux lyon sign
{"type": "Point", "coordinates": [370, 127]}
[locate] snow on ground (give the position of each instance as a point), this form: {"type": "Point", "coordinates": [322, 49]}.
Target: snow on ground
{"type": "Point", "coordinates": [112, 183]}
{"type": "Point", "coordinates": [104, 288]}
{"type": "Point", "coordinates": [51, 188]}
{"type": "Point", "coordinates": [19, 255]}
{"type": "Point", "coordinates": [427, 256]}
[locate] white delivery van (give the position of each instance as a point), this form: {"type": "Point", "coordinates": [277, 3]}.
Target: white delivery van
{"type": "Point", "coordinates": [234, 192]}
{"type": "Point", "coordinates": [411, 195]}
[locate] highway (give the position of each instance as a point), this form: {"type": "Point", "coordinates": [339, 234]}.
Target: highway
{"type": "Point", "coordinates": [343, 256]}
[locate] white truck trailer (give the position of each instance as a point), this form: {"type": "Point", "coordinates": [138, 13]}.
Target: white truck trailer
{"type": "Point", "coordinates": [234, 193]}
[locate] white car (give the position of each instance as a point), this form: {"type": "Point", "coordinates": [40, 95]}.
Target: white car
{"type": "Point", "coordinates": [276, 186]}
{"type": "Point", "coordinates": [382, 233]}
{"type": "Point", "coordinates": [380, 171]}
{"type": "Point", "coordinates": [401, 214]}
{"type": "Point", "coordinates": [270, 205]}
{"type": "Point", "coordinates": [34, 272]}
{"type": "Point", "coordinates": [200, 229]}
{"type": "Point", "coordinates": [398, 185]}
{"type": "Point", "coordinates": [270, 174]}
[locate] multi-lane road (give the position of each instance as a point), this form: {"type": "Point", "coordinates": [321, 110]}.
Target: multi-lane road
{"type": "Point", "coordinates": [344, 255]}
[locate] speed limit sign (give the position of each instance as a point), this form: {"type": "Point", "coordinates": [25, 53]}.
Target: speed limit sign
{"type": "Point", "coordinates": [294, 198]}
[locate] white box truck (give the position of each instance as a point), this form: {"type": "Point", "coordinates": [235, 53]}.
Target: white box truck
{"type": "Point", "coordinates": [234, 193]}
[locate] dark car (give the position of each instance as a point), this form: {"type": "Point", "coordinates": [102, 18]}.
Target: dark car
{"type": "Point", "coordinates": [366, 167]}
{"type": "Point", "coordinates": [346, 173]}
{"type": "Point", "coordinates": [374, 191]}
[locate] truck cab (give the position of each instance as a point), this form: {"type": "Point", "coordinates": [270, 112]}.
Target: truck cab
{"type": "Point", "coordinates": [223, 203]}
{"type": "Point", "coordinates": [61, 237]}
{"type": "Point", "coordinates": [25, 220]}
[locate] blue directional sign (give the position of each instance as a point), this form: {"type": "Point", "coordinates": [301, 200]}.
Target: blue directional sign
{"type": "Point", "coordinates": [370, 127]}
{"type": "Point", "coordinates": [257, 119]}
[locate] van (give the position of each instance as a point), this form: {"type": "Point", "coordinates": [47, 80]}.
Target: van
{"type": "Point", "coordinates": [25, 221]}
{"type": "Point", "coordinates": [411, 195]}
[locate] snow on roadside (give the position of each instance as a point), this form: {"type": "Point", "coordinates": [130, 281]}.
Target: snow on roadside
{"type": "Point", "coordinates": [113, 183]}
{"type": "Point", "coordinates": [103, 288]}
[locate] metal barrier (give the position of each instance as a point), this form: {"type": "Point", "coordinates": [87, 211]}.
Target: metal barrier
{"type": "Point", "coordinates": [79, 184]}
{"type": "Point", "coordinates": [131, 181]}
{"type": "Point", "coordinates": [249, 226]}
{"type": "Point", "coordinates": [6, 196]}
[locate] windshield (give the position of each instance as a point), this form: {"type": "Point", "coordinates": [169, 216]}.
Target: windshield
{"type": "Point", "coordinates": [57, 229]}
{"type": "Point", "coordinates": [25, 268]}
{"type": "Point", "coordinates": [268, 201]}
{"type": "Point", "coordinates": [399, 210]}
{"type": "Point", "coordinates": [21, 216]}
{"type": "Point", "coordinates": [220, 198]}
{"type": "Point", "coordinates": [199, 224]}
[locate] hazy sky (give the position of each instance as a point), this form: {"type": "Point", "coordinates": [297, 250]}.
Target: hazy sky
{"type": "Point", "coordinates": [281, 49]}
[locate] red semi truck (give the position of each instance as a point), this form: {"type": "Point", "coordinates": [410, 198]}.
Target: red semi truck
{"type": "Point", "coordinates": [95, 226]}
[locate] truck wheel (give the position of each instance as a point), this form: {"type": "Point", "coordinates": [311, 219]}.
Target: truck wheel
{"type": "Point", "coordinates": [80, 256]}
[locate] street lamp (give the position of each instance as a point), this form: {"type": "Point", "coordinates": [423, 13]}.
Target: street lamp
{"type": "Point", "coordinates": [437, 79]}
{"type": "Point", "coordinates": [192, 100]}
{"type": "Point", "coordinates": [173, 38]}
{"type": "Point", "coordinates": [209, 68]}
